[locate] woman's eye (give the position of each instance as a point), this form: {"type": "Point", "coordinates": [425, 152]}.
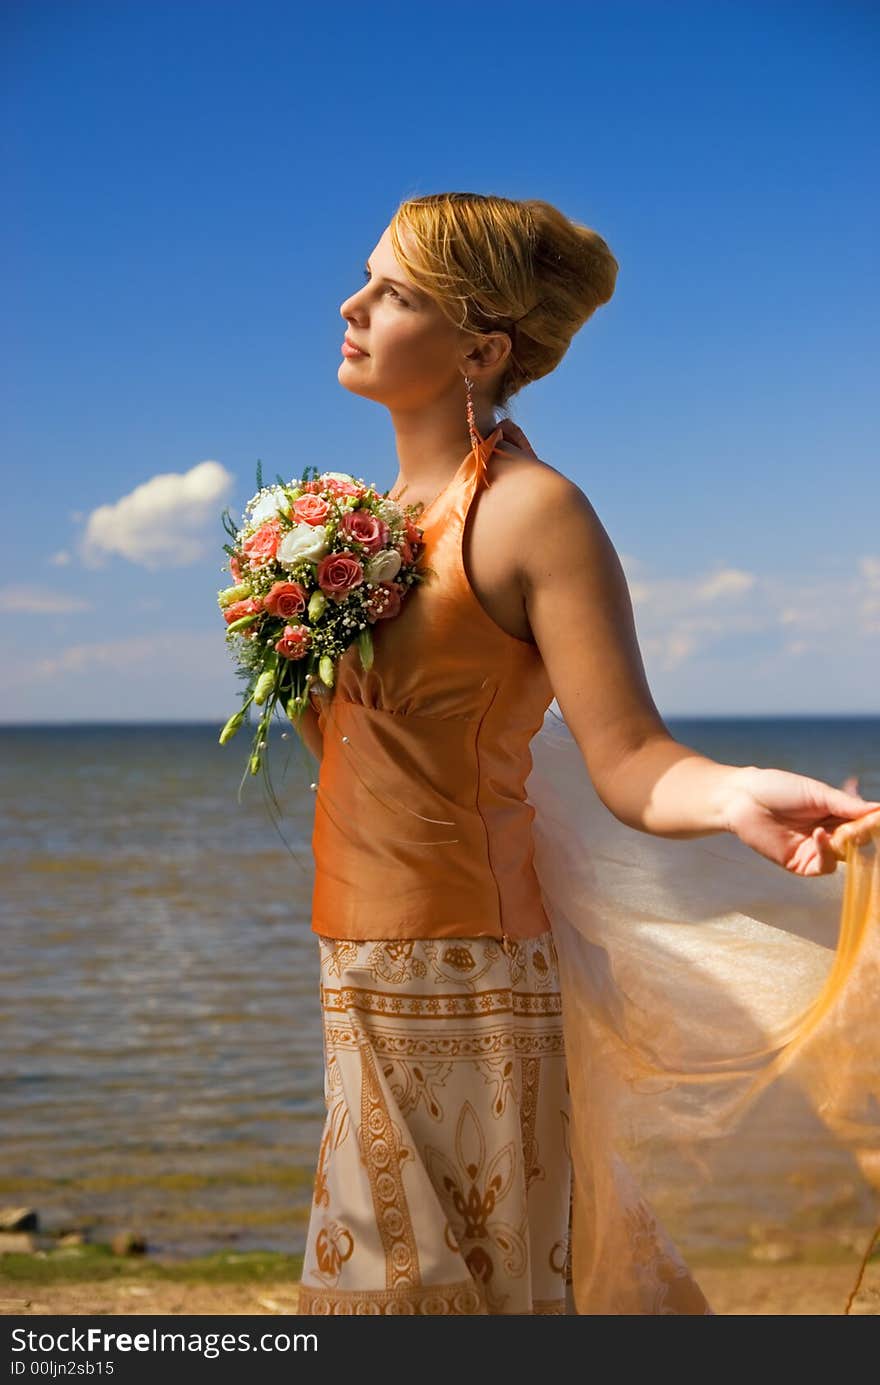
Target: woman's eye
{"type": "Point", "coordinates": [391, 289]}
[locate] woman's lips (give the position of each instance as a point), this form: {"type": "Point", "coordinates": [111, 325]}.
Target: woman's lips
{"type": "Point", "coordinates": [349, 350]}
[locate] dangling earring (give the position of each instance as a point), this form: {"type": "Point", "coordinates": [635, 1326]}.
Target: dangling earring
{"type": "Point", "coordinates": [472, 427]}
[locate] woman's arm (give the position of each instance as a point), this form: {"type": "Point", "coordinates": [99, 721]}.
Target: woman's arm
{"type": "Point", "coordinates": [580, 613]}
{"type": "Point", "coordinates": [581, 617]}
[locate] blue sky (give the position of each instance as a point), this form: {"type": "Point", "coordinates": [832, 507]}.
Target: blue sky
{"type": "Point", "coordinates": [192, 191]}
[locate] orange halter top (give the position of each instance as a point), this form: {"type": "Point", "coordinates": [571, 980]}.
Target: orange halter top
{"type": "Point", "coordinates": [422, 828]}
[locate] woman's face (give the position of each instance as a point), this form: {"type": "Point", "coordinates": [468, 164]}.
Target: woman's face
{"type": "Point", "coordinates": [415, 355]}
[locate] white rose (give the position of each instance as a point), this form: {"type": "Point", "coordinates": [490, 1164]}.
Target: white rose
{"type": "Point", "coordinates": [384, 566]}
{"type": "Point", "coordinates": [304, 541]}
{"type": "Point", "coordinates": [341, 476]}
{"type": "Point", "coordinates": [268, 506]}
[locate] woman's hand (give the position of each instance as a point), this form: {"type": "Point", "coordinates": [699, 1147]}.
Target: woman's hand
{"type": "Point", "coordinates": [789, 818]}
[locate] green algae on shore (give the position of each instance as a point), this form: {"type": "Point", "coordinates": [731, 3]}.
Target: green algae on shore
{"type": "Point", "coordinates": [96, 1261]}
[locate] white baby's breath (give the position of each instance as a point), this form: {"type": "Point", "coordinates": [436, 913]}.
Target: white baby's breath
{"type": "Point", "coordinates": [390, 512]}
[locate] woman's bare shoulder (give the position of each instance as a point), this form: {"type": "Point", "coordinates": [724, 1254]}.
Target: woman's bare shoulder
{"type": "Point", "coordinates": [525, 480]}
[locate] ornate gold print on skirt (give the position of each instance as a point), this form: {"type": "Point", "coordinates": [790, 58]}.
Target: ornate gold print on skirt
{"type": "Point", "coordinates": [475, 1188]}
{"type": "Point", "coordinates": [530, 1077]}
{"type": "Point", "coordinates": [444, 1174]}
{"type": "Point", "coordinates": [335, 1131]}
{"type": "Point", "coordinates": [383, 1152]}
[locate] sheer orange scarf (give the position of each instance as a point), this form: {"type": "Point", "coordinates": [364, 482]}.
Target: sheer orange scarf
{"type": "Point", "coordinates": [722, 1038]}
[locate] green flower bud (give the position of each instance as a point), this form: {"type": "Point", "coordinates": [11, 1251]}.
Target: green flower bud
{"type": "Point", "coordinates": [325, 670]}
{"type": "Point", "coordinates": [232, 594]}
{"type": "Point", "coordinates": [365, 647]}
{"type": "Point", "coordinates": [317, 605]}
{"type": "Point", "coordinates": [263, 686]}
{"type": "Point", "coordinates": [243, 621]}
{"type": "Point", "coordinates": [231, 727]}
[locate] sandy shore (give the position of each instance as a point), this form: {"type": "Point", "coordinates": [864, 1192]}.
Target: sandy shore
{"type": "Point", "coordinates": [760, 1290]}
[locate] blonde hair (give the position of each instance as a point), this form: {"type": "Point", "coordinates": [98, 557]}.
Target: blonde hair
{"type": "Point", "coordinates": [495, 264]}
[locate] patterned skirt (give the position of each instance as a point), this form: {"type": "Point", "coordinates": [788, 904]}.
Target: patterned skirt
{"type": "Point", "coordinates": [443, 1182]}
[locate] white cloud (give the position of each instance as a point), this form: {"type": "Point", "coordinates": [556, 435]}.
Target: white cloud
{"type": "Point", "coordinates": [157, 675]}
{"type": "Point", "coordinates": [26, 600]}
{"type": "Point", "coordinates": [678, 646]}
{"type": "Point", "coordinates": [639, 591]}
{"type": "Point", "coordinates": [869, 594]}
{"type": "Point", "coordinates": [826, 605]}
{"type": "Point", "coordinates": [728, 582]}
{"type": "Point", "coordinates": [61, 558]}
{"type": "Point", "coordinates": [127, 654]}
{"type": "Point", "coordinates": [793, 614]}
{"type": "Point", "coordinates": [159, 523]}
{"type": "Point", "coordinates": [676, 641]}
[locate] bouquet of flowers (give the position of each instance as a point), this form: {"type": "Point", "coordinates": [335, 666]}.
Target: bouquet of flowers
{"type": "Point", "coordinates": [315, 563]}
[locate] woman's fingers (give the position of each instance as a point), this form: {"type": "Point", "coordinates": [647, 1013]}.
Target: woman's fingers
{"type": "Point", "coordinates": [840, 804]}
{"type": "Point", "coordinates": [857, 830]}
{"type": "Point", "coordinates": [828, 857]}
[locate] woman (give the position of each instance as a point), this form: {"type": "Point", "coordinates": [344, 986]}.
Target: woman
{"type": "Point", "coordinates": [444, 1180]}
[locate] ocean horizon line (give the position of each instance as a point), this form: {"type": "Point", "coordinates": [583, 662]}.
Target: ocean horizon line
{"type": "Point", "coordinates": [220, 720]}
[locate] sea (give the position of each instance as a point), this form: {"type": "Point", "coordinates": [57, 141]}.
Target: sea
{"type": "Point", "coordinates": [162, 1060]}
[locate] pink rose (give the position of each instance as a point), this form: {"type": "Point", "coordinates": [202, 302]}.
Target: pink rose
{"type": "Point", "coordinates": [294, 642]}
{"type": "Point", "coordinates": [310, 509]}
{"type": "Point", "coordinates": [262, 545]}
{"type": "Point", "coordinates": [337, 487]}
{"type": "Point", "coordinates": [384, 601]}
{"type": "Point", "coordinates": [339, 573]}
{"type": "Point", "coordinates": [285, 599]}
{"type": "Point", "coordinates": [249, 607]}
{"type": "Point", "coordinates": [364, 528]}
{"type": "Point", "coordinates": [235, 569]}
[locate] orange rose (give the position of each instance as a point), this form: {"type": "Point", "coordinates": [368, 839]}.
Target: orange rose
{"type": "Point", "coordinates": [285, 599]}
{"type": "Point", "coordinates": [310, 509]}
{"type": "Point", "coordinates": [262, 545]}
{"type": "Point", "coordinates": [248, 607]}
